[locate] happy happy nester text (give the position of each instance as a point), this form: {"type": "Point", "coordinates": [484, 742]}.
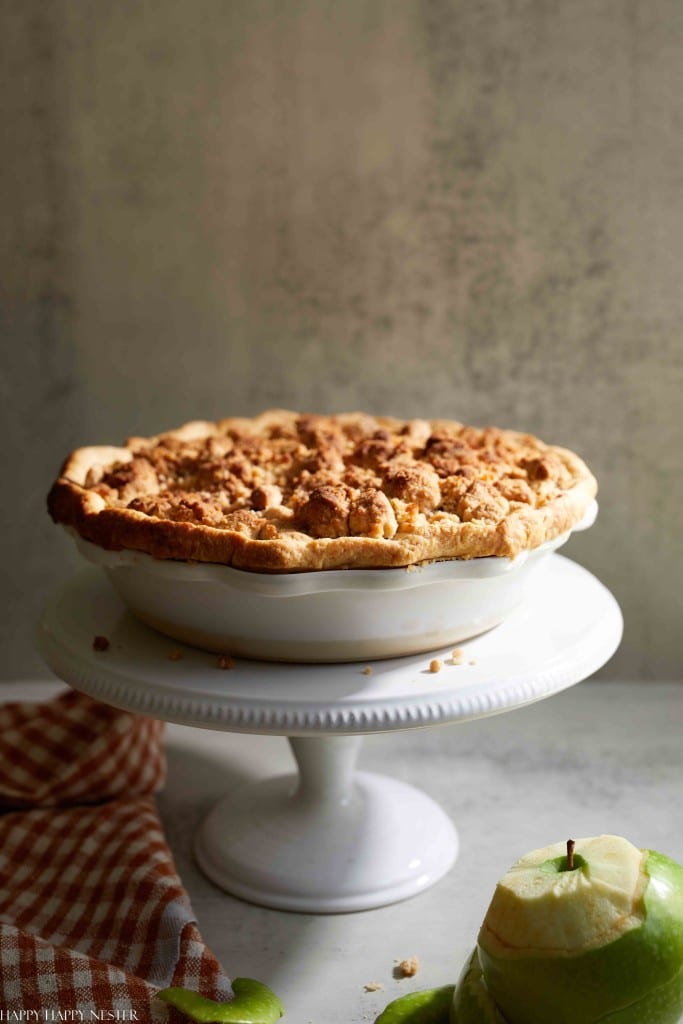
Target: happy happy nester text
{"type": "Point", "coordinates": [67, 1015]}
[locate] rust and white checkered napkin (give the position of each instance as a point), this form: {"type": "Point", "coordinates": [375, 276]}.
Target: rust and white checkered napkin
{"type": "Point", "coordinates": [93, 917]}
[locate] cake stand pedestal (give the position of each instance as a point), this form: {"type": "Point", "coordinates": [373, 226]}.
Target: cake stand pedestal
{"type": "Point", "coordinates": [330, 838]}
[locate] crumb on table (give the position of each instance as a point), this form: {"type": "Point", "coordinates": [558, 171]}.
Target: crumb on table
{"type": "Point", "coordinates": [100, 643]}
{"type": "Point", "coordinates": [367, 671]}
{"type": "Point", "coordinates": [175, 655]}
{"type": "Point", "coordinates": [473, 661]}
{"type": "Point", "coordinates": [225, 661]}
{"type": "Point", "coordinates": [458, 656]}
{"type": "Point", "coordinates": [373, 986]}
{"type": "Point", "coordinates": [435, 665]}
{"type": "Point", "coordinates": [408, 968]}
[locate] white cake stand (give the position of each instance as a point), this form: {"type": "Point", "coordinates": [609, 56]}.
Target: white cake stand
{"type": "Point", "coordinates": [330, 838]}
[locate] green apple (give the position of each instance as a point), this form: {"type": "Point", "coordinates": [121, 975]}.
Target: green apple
{"type": "Point", "coordinates": [429, 1006]}
{"type": "Point", "coordinates": [254, 1003]}
{"type": "Point", "coordinates": [595, 936]}
{"type": "Point", "coordinates": [472, 1002]}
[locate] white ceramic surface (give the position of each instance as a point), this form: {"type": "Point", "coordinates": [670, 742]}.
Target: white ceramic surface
{"type": "Point", "coordinates": [569, 626]}
{"type": "Point", "coordinates": [330, 616]}
{"type": "Point", "coordinates": [328, 839]}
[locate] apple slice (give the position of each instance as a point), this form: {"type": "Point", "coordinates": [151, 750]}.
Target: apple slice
{"type": "Point", "coordinates": [254, 1003]}
{"type": "Point", "coordinates": [428, 1006]}
{"type": "Point", "coordinates": [599, 939]}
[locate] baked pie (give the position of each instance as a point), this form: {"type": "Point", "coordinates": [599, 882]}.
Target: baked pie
{"type": "Point", "coordinates": [285, 492]}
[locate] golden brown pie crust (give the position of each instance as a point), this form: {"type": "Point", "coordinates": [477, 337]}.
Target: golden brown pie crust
{"type": "Point", "coordinates": [286, 492]}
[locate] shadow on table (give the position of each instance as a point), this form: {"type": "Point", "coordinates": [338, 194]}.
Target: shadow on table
{"type": "Point", "coordinates": [275, 946]}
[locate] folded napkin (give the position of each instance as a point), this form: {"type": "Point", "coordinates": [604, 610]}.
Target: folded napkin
{"type": "Point", "coordinates": [93, 917]}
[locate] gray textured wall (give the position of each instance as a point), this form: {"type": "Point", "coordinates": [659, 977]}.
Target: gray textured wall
{"type": "Point", "coordinates": [470, 208]}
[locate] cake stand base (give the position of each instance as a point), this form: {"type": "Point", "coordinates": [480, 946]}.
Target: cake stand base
{"type": "Point", "coordinates": [328, 839]}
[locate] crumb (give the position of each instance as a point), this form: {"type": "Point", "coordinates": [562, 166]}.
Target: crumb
{"type": "Point", "coordinates": [225, 661]}
{"type": "Point", "coordinates": [175, 655]}
{"type": "Point", "coordinates": [408, 968]}
{"type": "Point", "coordinates": [435, 665]}
{"type": "Point", "coordinates": [367, 671]}
{"type": "Point", "coordinates": [457, 656]}
{"type": "Point", "coordinates": [100, 643]}
{"type": "Point", "coordinates": [473, 661]}
{"type": "Point", "coordinates": [373, 986]}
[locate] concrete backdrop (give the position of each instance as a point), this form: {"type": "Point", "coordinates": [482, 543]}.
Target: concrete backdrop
{"type": "Point", "coordinates": [467, 208]}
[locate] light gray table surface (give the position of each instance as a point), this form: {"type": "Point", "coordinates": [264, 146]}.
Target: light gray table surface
{"type": "Point", "coordinates": [600, 757]}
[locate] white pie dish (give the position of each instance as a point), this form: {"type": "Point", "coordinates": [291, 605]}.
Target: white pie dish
{"type": "Point", "coordinates": [328, 616]}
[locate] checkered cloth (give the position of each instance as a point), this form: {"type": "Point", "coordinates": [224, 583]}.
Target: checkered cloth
{"type": "Point", "coordinates": [93, 917]}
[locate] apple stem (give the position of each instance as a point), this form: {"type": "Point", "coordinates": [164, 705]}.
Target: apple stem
{"type": "Point", "coordinates": [570, 854]}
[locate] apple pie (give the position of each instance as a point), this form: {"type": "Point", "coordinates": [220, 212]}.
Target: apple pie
{"type": "Point", "coordinates": [286, 492]}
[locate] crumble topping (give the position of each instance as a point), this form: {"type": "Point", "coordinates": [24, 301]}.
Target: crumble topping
{"type": "Point", "coordinates": [335, 484]}
{"type": "Point", "coordinates": [418, 484]}
{"type": "Point", "coordinates": [416, 489]}
{"type": "Point", "coordinates": [324, 512]}
{"type": "Point", "coordinates": [371, 515]}
{"type": "Point", "coordinates": [481, 501]}
{"type": "Point", "coordinates": [408, 968]}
